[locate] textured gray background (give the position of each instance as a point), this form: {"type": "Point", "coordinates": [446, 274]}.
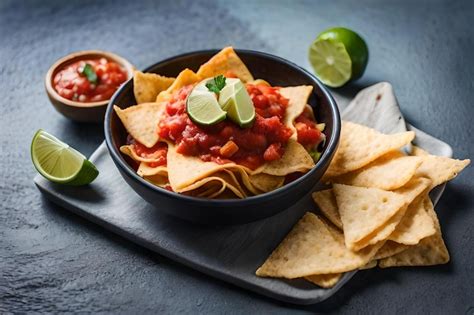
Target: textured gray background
{"type": "Point", "coordinates": [52, 261]}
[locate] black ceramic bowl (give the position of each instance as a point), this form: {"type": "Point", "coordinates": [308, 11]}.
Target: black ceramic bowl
{"type": "Point", "coordinates": [276, 71]}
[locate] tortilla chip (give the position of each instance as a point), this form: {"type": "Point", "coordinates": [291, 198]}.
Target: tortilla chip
{"type": "Point", "coordinates": [129, 150]}
{"type": "Point", "coordinates": [369, 265]}
{"type": "Point", "coordinates": [325, 281]}
{"type": "Point", "coordinates": [158, 180]}
{"type": "Point", "coordinates": [186, 77]}
{"type": "Point", "coordinates": [417, 151]}
{"type": "Point", "coordinates": [311, 249]}
{"type": "Point", "coordinates": [298, 98]}
{"type": "Point", "coordinates": [265, 182]}
{"type": "Point", "coordinates": [360, 145]}
{"type": "Point", "coordinates": [364, 211]}
{"type": "Point", "coordinates": [295, 159]}
{"type": "Point", "coordinates": [440, 169]}
{"type": "Point", "coordinates": [429, 251]}
{"type": "Point", "coordinates": [147, 86]}
{"type": "Point", "coordinates": [224, 62]}
{"type": "Point", "coordinates": [141, 121]}
{"type": "Point", "coordinates": [145, 170]}
{"type": "Point", "coordinates": [391, 171]}
{"type": "Point", "coordinates": [388, 249]}
{"type": "Point", "coordinates": [415, 225]}
{"type": "Point", "coordinates": [326, 201]}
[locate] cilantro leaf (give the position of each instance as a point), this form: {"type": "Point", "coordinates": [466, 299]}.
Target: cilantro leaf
{"type": "Point", "coordinates": [217, 84]}
{"type": "Point", "coordinates": [90, 74]}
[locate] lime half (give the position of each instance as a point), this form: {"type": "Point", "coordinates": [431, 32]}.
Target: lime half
{"type": "Point", "coordinates": [60, 163]}
{"type": "Point", "coordinates": [338, 55]}
{"type": "Point", "coordinates": [203, 108]}
{"type": "Point", "coordinates": [235, 100]}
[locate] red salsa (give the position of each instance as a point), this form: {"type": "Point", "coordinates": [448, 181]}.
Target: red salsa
{"type": "Point", "coordinates": [157, 153]}
{"type": "Point", "coordinates": [264, 141]}
{"type": "Point", "coordinates": [73, 84]}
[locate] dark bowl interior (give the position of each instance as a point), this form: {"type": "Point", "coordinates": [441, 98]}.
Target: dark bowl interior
{"type": "Point", "coordinates": [275, 70]}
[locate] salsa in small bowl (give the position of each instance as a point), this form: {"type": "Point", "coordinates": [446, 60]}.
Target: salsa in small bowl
{"type": "Point", "coordinates": [81, 84]}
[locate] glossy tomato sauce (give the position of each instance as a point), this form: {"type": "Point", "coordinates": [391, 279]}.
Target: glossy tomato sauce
{"type": "Point", "coordinates": [72, 84]}
{"type": "Point", "coordinates": [158, 152]}
{"type": "Point", "coordinates": [251, 147]}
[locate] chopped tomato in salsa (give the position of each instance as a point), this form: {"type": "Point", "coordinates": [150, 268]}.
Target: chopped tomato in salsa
{"type": "Point", "coordinates": [158, 152]}
{"type": "Point", "coordinates": [264, 141]}
{"type": "Point", "coordinates": [72, 84]}
{"type": "Point", "coordinates": [308, 133]}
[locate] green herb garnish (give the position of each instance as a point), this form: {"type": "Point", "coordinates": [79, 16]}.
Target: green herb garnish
{"type": "Point", "coordinates": [217, 84]}
{"type": "Point", "coordinates": [315, 155]}
{"type": "Point", "coordinates": [90, 74]}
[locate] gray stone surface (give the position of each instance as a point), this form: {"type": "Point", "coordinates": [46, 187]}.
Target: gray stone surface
{"type": "Point", "coordinates": [52, 261]}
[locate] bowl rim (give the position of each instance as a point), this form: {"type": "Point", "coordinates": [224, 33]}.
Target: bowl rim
{"type": "Point", "coordinates": [331, 147]}
{"type": "Point", "coordinates": [48, 79]}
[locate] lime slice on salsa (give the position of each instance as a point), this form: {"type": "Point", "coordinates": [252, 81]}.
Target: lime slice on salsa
{"type": "Point", "coordinates": [203, 108]}
{"type": "Point", "coordinates": [338, 55]}
{"type": "Point", "coordinates": [235, 100]}
{"type": "Point", "coordinates": [60, 163]}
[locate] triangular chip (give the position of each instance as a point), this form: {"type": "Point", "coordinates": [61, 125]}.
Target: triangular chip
{"type": "Point", "coordinates": [388, 249]}
{"type": "Point", "coordinates": [325, 281]}
{"type": "Point", "coordinates": [429, 251]}
{"type": "Point", "coordinates": [186, 77]}
{"type": "Point", "coordinates": [415, 225]}
{"type": "Point", "coordinates": [417, 151]}
{"type": "Point", "coordinates": [225, 62]}
{"type": "Point", "coordinates": [141, 121]}
{"type": "Point", "coordinates": [360, 145]}
{"type": "Point", "coordinates": [391, 171]}
{"type": "Point", "coordinates": [440, 169]}
{"type": "Point", "coordinates": [147, 86]}
{"type": "Point", "coordinates": [326, 201]}
{"type": "Point", "coordinates": [364, 211]}
{"type": "Point", "coordinates": [146, 170]}
{"type": "Point", "coordinates": [265, 182]}
{"type": "Point", "coordinates": [131, 152]}
{"type": "Point", "coordinates": [297, 99]}
{"type": "Point", "coordinates": [295, 159]}
{"type": "Point", "coordinates": [311, 249]}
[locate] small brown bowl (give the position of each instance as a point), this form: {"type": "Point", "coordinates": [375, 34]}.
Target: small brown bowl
{"type": "Point", "coordinates": [80, 111]}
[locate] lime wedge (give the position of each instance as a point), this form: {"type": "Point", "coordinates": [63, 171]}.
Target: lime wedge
{"type": "Point", "coordinates": [203, 108]}
{"type": "Point", "coordinates": [338, 55]}
{"type": "Point", "coordinates": [235, 100]}
{"type": "Point", "coordinates": [60, 163]}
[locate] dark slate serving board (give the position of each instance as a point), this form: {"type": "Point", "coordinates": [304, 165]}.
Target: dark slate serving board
{"type": "Point", "coordinates": [231, 253]}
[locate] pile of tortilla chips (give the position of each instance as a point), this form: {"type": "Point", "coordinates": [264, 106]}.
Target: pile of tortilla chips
{"type": "Point", "coordinates": [188, 174]}
{"type": "Point", "coordinates": [377, 212]}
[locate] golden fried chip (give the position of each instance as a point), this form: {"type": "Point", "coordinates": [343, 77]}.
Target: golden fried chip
{"type": "Point", "coordinates": [146, 170]}
{"type": "Point", "coordinates": [415, 225]}
{"type": "Point", "coordinates": [429, 251]}
{"type": "Point", "coordinates": [131, 152]}
{"type": "Point", "coordinates": [391, 171]}
{"type": "Point", "coordinates": [440, 169]}
{"type": "Point", "coordinates": [297, 99]}
{"type": "Point", "coordinates": [417, 151]}
{"type": "Point", "coordinates": [158, 180]}
{"type": "Point", "coordinates": [225, 62]}
{"type": "Point", "coordinates": [365, 211]}
{"type": "Point", "coordinates": [265, 182]}
{"type": "Point", "coordinates": [186, 77]}
{"type": "Point", "coordinates": [325, 281]}
{"type": "Point", "coordinates": [388, 249]}
{"type": "Point", "coordinates": [369, 265]}
{"type": "Point", "coordinates": [141, 121]}
{"type": "Point", "coordinates": [311, 249]}
{"type": "Point", "coordinates": [360, 145]}
{"type": "Point", "coordinates": [147, 86]}
{"type": "Point", "coordinates": [295, 159]}
{"type": "Point", "coordinates": [326, 201]}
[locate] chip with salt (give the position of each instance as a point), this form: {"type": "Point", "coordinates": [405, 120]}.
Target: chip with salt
{"type": "Point", "coordinates": [185, 77]}
{"type": "Point", "coordinates": [298, 98]}
{"type": "Point", "coordinates": [311, 249]}
{"type": "Point", "coordinates": [415, 225]}
{"type": "Point", "coordinates": [326, 201]}
{"type": "Point", "coordinates": [365, 211]}
{"type": "Point", "coordinates": [440, 169]}
{"type": "Point", "coordinates": [360, 145]}
{"type": "Point", "coordinates": [388, 249]}
{"type": "Point", "coordinates": [391, 171]}
{"type": "Point", "coordinates": [225, 62]}
{"type": "Point", "coordinates": [429, 251]}
{"type": "Point", "coordinates": [147, 86]}
{"type": "Point", "coordinates": [141, 121]}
